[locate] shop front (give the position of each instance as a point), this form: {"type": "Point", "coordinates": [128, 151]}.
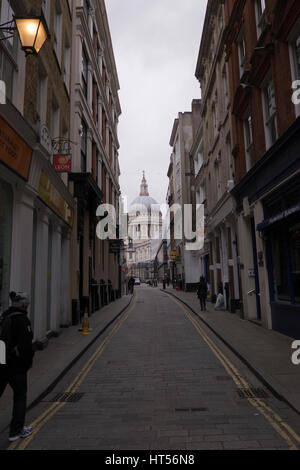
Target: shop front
{"type": "Point", "coordinates": [281, 231]}
{"type": "Point", "coordinates": [6, 199]}
{"type": "Point", "coordinates": [15, 161]}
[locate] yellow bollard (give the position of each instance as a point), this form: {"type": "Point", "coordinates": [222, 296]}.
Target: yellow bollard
{"type": "Point", "coordinates": [85, 324]}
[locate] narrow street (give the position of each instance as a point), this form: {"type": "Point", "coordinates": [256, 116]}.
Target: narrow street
{"type": "Point", "coordinates": [158, 379]}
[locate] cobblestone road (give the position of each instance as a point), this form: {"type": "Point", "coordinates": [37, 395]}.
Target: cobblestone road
{"type": "Point", "coordinates": [157, 383]}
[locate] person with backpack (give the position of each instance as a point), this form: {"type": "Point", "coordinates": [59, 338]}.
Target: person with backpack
{"type": "Point", "coordinates": [202, 293]}
{"type": "Point", "coordinates": [16, 333]}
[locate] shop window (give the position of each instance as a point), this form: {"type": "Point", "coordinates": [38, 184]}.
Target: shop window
{"type": "Point", "coordinates": [295, 260]}
{"type": "Point", "coordinates": [280, 267]}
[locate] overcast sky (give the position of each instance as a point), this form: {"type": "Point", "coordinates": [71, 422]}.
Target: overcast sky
{"type": "Point", "coordinates": [156, 45]}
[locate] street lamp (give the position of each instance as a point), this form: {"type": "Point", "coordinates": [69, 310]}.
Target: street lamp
{"type": "Point", "coordinates": [32, 31]}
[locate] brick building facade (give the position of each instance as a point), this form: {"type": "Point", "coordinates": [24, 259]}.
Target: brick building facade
{"type": "Point", "coordinates": [263, 54]}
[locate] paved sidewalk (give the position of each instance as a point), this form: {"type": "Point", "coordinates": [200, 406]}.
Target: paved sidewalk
{"type": "Point", "coordinates": [61, 353]}
{"type": "Point", "coordinates": [266, 352]}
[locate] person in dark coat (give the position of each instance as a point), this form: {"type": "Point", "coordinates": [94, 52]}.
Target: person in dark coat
{"type": "Point", "coordinates": [202, 293]}
{"type": "Point", "coordinates": [131, 284]}
{"type": "Point", "coordinates": [19, 356]}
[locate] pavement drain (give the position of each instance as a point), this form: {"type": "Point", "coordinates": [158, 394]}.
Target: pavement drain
{"type": "Point", "coordinates": [66, 397]}
{"type": "Point", "coordinates": [190, 409]}
{"type": "Point", "coordinates": [252, 393]}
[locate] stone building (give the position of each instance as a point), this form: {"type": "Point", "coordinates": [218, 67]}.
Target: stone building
{"type": "Point", "coordinates": [144, 234]}
{"type": "Point", "coordinates": [262, 49]}
{"type": "Point", "coordinates": [214, 165]}
{"type": "Point", "coordinates": [36, 207]}
{"type": "Point", "coordinates": [95, 111]}
{"type": "Point", "coordinates": [185, 266]}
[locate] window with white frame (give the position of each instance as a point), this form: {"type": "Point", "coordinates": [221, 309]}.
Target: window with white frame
{"type": "Point", "coordinates": [248, 133]}
{"type": "Point", "coordinates": [270, 113]}
{"type": "Point", "coordinates": [260, 10]}
{"type": "Point", "coordinates": [241, 53]}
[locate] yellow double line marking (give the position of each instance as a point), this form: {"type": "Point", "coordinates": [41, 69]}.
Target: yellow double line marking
{"type": "Point", "coordinates": [40, 422]}
{"type": "Point", "coordinates": [280, 426]}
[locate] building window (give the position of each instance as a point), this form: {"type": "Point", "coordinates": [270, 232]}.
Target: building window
{"type": "Point", "coordinates": [83, 146]}
{"type": "Point", "coordinates": [225, 88]}
{"type": "Point", "coordinates": [86, 8]}
{"type": "Point", "coordinates": [46, 10]}
{"type": "Point", "coordinates": [8, 53]}
{"type": "Point", "coordinates": [270, 114]}
{"type": "Point", "coordinates": [242, 53]}
{"type": "Point", "coordinates": [57, 33]}
{"type": "Point", "coordinates": [7, 71]}
{"type": "Point", "coordinates": [218, 176]}
{"type": "Point", "coordinates": [54, 119]}
{"type": "Point", "coordinates": [229, 158]}
{"type": "Point", "coordinates": [84, 72]}
{"type": "Point", "coordinates": [42, 95]}
{"type": "Point", "coordinates": [67, 63]}
{"type": "Point", "coordinates": [260, 10]}
{"type": "Point", "coordinates": [214, 118]}
{"type": "Point", "coordinates": [248, 142]}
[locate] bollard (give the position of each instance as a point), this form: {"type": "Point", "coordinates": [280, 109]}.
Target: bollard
{"type": "Point", "coordinates": [85, 324]}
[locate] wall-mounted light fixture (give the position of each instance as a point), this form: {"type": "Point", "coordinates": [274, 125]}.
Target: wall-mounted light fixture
{"type": "Point", "coordinates": [32, 31]}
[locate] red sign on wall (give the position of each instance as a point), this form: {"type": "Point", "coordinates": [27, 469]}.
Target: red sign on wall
{"type": "Point", "coordinates": [62, 163]}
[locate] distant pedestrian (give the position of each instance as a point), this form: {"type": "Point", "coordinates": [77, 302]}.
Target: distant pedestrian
{"type": "Point", "coordinates": [131, 283]}
{"type": "Point", "coordinates": [164, 284]}
{"type": "Point", "coordinates": [202, 293]}
{"type": "Point", "coordinates": [15, 331]}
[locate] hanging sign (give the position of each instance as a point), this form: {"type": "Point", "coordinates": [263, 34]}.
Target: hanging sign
{"type": "Point", "coordinates": [62, 163]}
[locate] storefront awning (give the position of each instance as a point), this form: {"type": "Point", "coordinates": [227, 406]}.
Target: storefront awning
{"type": "Point", "coordinates": [278, 218]}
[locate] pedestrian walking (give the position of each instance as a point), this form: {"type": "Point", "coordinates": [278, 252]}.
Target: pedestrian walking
{"type": "Point", "coordinates": [164, 284]}
{"type": "Point", "coordinates": [202, 293]}
{"type": "Point", "coordinates": [131, 283]}
{"type": "Point", "coordinates": [15, 331]}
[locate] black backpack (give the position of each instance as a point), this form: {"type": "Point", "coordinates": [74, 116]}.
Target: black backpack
{"type": "Point", "coordinates": [6, 331]}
